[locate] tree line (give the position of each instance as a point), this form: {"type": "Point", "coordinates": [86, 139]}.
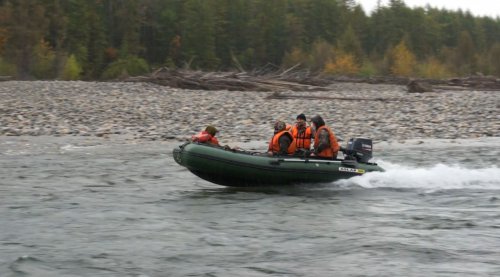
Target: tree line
{"type": "Point", "coordinates": [104, 39]}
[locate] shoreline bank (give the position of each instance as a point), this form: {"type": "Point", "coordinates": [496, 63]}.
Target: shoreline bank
{"type": "Point", "coordinates": [144, 111]}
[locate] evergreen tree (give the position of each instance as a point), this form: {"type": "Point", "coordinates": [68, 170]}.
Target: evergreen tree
{"type": "Point", "coordinates": [37, 36]}
{"type": "Point", "coordinates": [154, 40]}
{"type": "Point", "coordinates": [350, 44]}
{"type": "Point", "coordinates": [86, 35]}
{"type": "Point", "coordinates": [323, 20]}
{"type": "Point", "coordinates": [169, 33]}
{"type": "Point", "coordinates": [232, 34]}
{"type": "Point", "coordinates": [97, 41]}
{"type": "Point", "coordinates": [198, 34]}
{"type": "Point", "coordinates": [78, 30]}
{"type": "Point", "coordinates": [43, 61]}
{"type": "Point", "coordinates": [57, 32]}
{"type": "Point", "coordinates": [268, 31]}
{"type": "Point", "coordinates": [465, 57]}
{"type": "Point", "coordinates": [26, 26]}
{"type": "Point", "coordinates": [494, 58]}
{"type": "Point", "coordinates": [358, 21]}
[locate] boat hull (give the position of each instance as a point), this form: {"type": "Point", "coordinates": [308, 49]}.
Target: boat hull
{"type": "Point", "coordinates": [245, 169]}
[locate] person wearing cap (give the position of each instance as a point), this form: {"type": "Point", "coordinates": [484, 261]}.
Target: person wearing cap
{"type": "Point", "coordinates": [325, 142]}
{"type": "Point", "coordinates": [302, 134]}
{"type": "Point", "coordinates": [282, 141]}
{"type": "Point", "coordinates": [207, 136]}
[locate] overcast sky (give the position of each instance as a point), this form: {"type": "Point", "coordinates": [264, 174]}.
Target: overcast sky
{"type": "Point", "coordinates": [476, 7]}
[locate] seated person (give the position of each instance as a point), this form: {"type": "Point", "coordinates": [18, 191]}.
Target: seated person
{"type": "Point", "coordinates": [325, 142]}
{"type": "Point", "coordinates": [282, 142]}
{"type": "Point", "coordinates": [207, 136]}
{"type": "Point", "coordinates": [302, 134]}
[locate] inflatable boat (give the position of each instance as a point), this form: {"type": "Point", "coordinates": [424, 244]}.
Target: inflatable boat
{"type": "Point", "coordinates": [239, 168]}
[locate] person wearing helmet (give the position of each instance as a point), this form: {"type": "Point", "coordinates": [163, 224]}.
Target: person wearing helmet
{"type": "Point", "coordinates": [282, 141]}
{"type": "Point", "coordinates": [207, 136]}
{"type": "Point", "coordinates": [325, 142]}
{"type": "Point", "coordinates": [302, 134]}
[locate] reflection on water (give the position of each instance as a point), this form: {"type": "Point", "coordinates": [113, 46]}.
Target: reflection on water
{"type": "Point", "coordinates": [86, 207]}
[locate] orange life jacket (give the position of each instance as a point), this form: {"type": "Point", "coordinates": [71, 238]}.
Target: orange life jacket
{"type": "Point", "coordinates": [274, 144]}
{"type": "Point", "coordinates": [329, 152]}
{"type": "Point", "coordinates": [302, 140]}
{"type": "Point", "coordinates": [203, 136]}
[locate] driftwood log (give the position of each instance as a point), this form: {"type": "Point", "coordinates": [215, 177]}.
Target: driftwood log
{"type": "Point", "coordinates": [277, 95]}
{"type": "Point", "coordinates": [269, 78]}
{"type": "Point", "coordinates": [231, 81]}
{"type": "Point", "coordinates": [6, 78]}
{"type": "Point", "coordinates": [477, 82]}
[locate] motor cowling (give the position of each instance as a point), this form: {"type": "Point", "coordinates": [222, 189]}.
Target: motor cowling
{"type": "Point", "coordinates": [360, 148]}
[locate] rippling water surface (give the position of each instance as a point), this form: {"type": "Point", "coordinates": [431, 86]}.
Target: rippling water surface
{"type": "Point", "coordinates": [85, 207]}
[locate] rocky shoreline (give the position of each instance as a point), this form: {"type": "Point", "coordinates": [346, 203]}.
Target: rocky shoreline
{"type": "Point", "coordinates": [145, 111]}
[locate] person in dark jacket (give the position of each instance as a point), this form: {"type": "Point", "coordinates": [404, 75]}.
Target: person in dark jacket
{"type": "Point", "coordinates": [325, 142]}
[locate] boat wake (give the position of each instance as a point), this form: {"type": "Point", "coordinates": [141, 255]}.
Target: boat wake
{"type": "Point", "coordinates": [435, 178]}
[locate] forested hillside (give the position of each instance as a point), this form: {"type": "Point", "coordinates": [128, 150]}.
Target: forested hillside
{"type": "Point", "coordinates": [102, 39]}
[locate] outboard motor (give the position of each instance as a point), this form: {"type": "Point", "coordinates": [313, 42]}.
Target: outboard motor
{"type": "Point", "coordinates": [360, 148]}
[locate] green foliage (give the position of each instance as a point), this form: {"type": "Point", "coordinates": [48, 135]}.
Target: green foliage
{"type": "Point", "coordinates": [232, 35]}
{"type": "Point", "coordinates": [198, 35]}
{"type": "Point", "coordinates": [322, 20]}
{"type": "Point", "coordinates": [432, 68]}
{"type": "Point", "coordinates": [130, 66]}
{"type": "Point", "coordinates": [321, 53]}
{"type": "Point", "coordinates": [6, 68]}
{"type": "Point", "coordinates": [349, 43]}
{"type": "Point", "coordinates": [3, 39]}
{"type": "Point", "coordinates": [245, 58]}
{"type": "Point", "coordinates": [26, 25]}
{"type": "Point", "coordinates": [294, 57]}
{"type": "Point", "coordinates": [368, 70]}
{"type": "Point", "coordinates": [72, 69]}
{"type": "Point", "coordinates": [269, 31]}
{"type": "Point", "coordinates": [224, 34]}
{"type": "Point", "coordinates": [494, 58]}
{"type": "Point", "coordinates": [465, 54]}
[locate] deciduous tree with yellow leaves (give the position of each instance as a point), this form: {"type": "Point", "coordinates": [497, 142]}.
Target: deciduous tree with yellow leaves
{"type": "Point", "coordinates": [343, 63]}
{"type": "Point", "coordinates": [402, 61]}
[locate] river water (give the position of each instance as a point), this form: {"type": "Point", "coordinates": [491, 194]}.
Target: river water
{"type": "Point", "coordinates": [74, 206]}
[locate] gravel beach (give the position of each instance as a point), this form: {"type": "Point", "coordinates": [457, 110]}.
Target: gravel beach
{"type": "Point", "coordinates": [144, 111]}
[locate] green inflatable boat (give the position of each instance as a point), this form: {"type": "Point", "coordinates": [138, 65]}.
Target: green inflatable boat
{"type": "Point", "coordinates": [237, 168]}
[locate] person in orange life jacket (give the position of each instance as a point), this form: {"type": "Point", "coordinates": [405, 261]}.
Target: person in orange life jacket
{"type": "Point", "coordinates": [207, 136]}
{"type": "Point", "coordinates": [282, 141]}
{"type": "Point", "coordinates": [325, 143]}
{"type": "Point", "coordinates": [302, 134]}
